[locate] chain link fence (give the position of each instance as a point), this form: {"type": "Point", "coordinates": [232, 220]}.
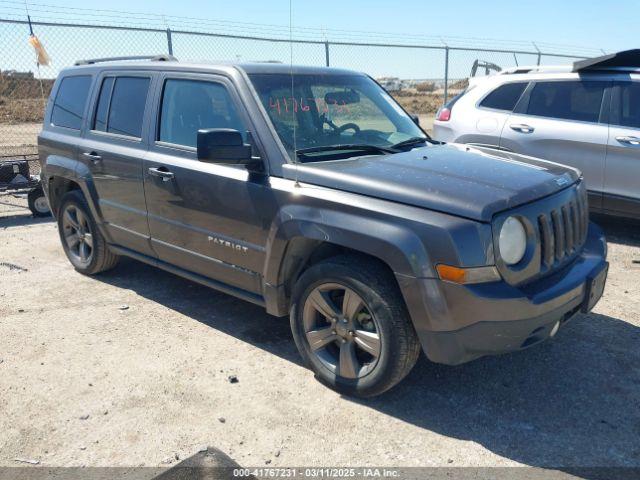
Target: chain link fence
{"type": "Point", "coordinates": [421, 77]}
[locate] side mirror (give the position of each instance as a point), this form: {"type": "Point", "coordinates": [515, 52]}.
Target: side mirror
{"type": "Point", "coordinates": [223, 145]}
{"type": "Point", "coordinates": [415, 118]}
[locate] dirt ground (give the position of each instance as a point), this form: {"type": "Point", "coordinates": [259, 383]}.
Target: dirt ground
{"type": "Point", "coordinates": [20, 139]}
{"type": "Point", "coordinates": [132, 368]}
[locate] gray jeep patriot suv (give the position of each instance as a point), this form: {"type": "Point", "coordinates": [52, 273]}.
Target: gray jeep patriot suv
{"type": "Point", "coordinates": [310, 191]}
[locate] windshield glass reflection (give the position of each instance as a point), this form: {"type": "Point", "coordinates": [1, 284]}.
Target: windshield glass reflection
{"type": "Point", "coordinates": [314, 113]}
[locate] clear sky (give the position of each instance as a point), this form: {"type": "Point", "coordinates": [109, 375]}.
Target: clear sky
{"type": "Point", "coordinates": [611, 25]}
{"type": "Point", "coordinates": [580, 27]}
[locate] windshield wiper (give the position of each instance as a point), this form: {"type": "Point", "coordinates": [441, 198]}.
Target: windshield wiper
{"type": "Point", "coordinates": [409, 142]}
{"type": "Point", "coordinates": [302, 152]}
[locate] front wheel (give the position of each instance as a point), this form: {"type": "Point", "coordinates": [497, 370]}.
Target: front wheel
{"type": "Point", "coordinates": [351, 326]}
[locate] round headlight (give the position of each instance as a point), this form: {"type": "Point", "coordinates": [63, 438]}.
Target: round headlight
{"type": "Point", "coordinates": [512, 241]}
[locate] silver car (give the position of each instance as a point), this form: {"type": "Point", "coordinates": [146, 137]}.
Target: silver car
{"type": "Point", "coordinates": [586, 115]}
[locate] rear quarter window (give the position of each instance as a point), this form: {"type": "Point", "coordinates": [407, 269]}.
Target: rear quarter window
{"type": "Point", "coordinates": [504, 97]}
{"type": "Point", "coordinates": [71, 98]}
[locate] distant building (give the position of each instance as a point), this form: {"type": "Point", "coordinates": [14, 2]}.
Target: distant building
{"type": "Point", "coordinates": [16, 74]}
{"type": "Point", "coordinates": [390, 84]}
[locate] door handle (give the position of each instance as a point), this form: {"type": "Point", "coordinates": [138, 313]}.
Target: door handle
{"type": "Point", "coordinates": [635, 141]}
{"type": "Point", "coordinates": [161, 172]}
{"type": "Point", "coordinates": [522, 127]}
{"type": "Point", "coordinates": [93, 156]}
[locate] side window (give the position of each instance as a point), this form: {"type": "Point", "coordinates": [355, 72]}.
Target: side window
{"type": "Point", "coordinates": [102, 111]}
{"type": "Point", "coordinates": [505, 96]}
{"type": "Point", "coordinates": [628, 105]}
{"type": "Point", "coordinates": [190, 105]}
{"type": "Point", "coordinates": [121, 105]}
{"type": "Point", "coordinates": [572, 100]}
{"type": "Point", "coordinates": [71, 98]}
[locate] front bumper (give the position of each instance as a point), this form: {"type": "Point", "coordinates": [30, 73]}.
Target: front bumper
{"type": "Point", "coordinates": [458, 323]}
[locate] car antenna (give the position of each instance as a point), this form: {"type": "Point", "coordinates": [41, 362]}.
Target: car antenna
{"type": "Point", "coordinates": [293, 123]}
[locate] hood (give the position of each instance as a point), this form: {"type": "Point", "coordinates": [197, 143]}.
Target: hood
{"type": "Point", "coordinates": [466, 181]}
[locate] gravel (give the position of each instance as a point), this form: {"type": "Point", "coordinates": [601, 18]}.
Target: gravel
{"type": "Point", "coordinates": [162, 371]}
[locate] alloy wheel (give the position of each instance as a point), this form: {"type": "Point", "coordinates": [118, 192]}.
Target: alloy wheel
{"type": "Point", "coordinates": [77, 234]}
{"type": "Point", "coordinates": [341, 331]}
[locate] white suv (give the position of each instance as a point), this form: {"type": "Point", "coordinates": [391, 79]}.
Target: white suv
{"type": "Point", "coordinates": [586, 115]}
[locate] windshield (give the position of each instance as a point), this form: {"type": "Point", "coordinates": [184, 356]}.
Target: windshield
{"type": "Point", "coordinates": [314, 113]}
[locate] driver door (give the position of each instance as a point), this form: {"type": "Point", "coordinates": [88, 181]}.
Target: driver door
{"type": "Point", "coordinates": [206, 218]}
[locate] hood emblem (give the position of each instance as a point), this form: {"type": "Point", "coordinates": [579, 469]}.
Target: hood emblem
{"type": "Point", "coordinates": [562, 181]}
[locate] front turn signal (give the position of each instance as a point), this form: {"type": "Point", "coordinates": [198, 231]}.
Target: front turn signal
{"type": "Point", "coordinates": [468, 275]}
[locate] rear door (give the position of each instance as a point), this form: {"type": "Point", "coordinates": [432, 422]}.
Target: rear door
{"type": "Point", "coordinates": [564, 121]}
{"type": "Point", "coordinates": [207, 218]}
{"type": "Point", "coordinates": [113, 149]}
{"type": "Point", "coordinates": [622, 171]}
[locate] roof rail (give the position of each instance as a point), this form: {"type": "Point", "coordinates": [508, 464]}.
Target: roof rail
{"type": "Point", "coordinates": [153, 58]}
{"type": "Point", "coordinates": [536, 69]}
{"type": "Point", "coordinates": [625, 60]}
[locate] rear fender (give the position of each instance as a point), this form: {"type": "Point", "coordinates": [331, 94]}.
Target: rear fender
{"type": "Point", "coordinates": [85, 179]}
{"type": "Point", "coordinates": [57, 166]}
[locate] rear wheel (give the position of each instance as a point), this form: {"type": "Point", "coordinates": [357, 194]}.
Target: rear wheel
{"type": "Point", "coordinates": [351, 326]}
{"type": "Point", "coordinates": [82, 242]}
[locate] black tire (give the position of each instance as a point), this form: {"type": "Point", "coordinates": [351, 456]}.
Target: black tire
{"type": "Point", "coordinates": [100, 258]}
{"type": "Point", "coordinates": [38, 203]}
{"type": "Point", "coordinates": [399, 347]}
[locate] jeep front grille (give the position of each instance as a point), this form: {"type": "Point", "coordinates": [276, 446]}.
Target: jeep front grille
{"type": "Point", "coordinates": [563, 230]}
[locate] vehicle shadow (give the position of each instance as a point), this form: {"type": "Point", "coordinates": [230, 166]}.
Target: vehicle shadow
{"type": "Point", "coordinates": [570, 402]}
{"type": "Point", "coordinates": [227, 314]}
{"type": "Point", "coordinates": [22, 220]}
{"type": "Point", "coordinates": [619, 230]}
{"type": "Point", "coordinates": [573, 401]}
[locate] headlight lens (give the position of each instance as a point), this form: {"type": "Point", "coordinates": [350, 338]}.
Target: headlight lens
{"type": "Point", "coordinates": [512, 241]}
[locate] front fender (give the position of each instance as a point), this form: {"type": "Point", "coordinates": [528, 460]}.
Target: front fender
{"type": "Point", "coordinates": [397, 246]}
{"type": "Point", "coordinates": [410, 241]}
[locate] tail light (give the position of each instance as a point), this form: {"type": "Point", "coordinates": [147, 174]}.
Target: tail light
{"type": "Point", "coordinates": [443, 115]}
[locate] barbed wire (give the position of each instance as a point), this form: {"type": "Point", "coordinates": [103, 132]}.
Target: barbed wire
{"type": "Point", "coordinates": [14, 10]}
